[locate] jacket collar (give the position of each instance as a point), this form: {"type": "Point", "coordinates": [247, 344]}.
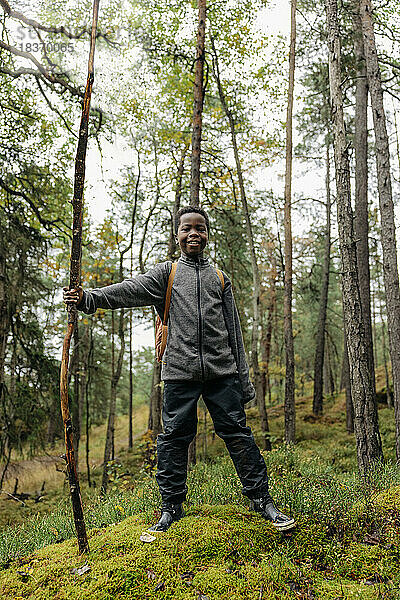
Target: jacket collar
{"type": "Point", "coordinates": [192, 262]}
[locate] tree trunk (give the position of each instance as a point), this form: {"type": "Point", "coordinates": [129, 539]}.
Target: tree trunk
{"type": "Point", "coordinates": [260, 400]}
{"type": "Point", "coordinates": [130, 417]}
{"type": "Point", "coordinates": [196, 135]}
{"type": "Point", "coordinates": [347, 386]}
{"type": "Point", "coordinates": [130, 248]}
{"type": "Point", "coordinates": [388, 231]}
{"type": "Point", "coordinates": [329, 379]}
{"type": "Point", "coordinates": [373, 320]}
{"type": "Point", "coordinates": [115, 376]}
{"type": "Point", "coordinates": [323, 302]}
{"type": "Point", "coordinates": [361, 221]}
{"type": "Point", "coordinates": [87, 394]}
{"type": "Point", "coordinates": [172, 246]}
{"type": "Point", "coordinates": [155, 425]}
{"type": "Point", "coordinates": [290, 408]}
{"type": "Point", "coordinates": [111, 413]}
{"type": "Point", "coordinates": [192, 450]}
{"type": "Point", "coordinates": [130, 433]}
{"type": "Point", "coordinates": [205, 435]}
{"type": "Point", "coordinates": [198, 106]}
{"type": "Point", "coordinates": [388, 397]}
{"type": "Point", "coordinates": [5, 446]}
{"type": "Point", "coordinates": [369, 448]}
{"type": "Point", "coordinates": [267, 337]}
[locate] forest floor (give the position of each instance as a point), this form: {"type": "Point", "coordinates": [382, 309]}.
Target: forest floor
{"type": "Point", "coordinates": [346, 543]}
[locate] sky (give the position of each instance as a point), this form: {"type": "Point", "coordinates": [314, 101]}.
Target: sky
{"type": "Point", "coordinates": [115, 154]}
{"type": "Point", "coordinates": [274, 19]}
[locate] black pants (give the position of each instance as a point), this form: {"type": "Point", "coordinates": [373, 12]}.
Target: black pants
{"type": "Point", "coordinates": [223, 398]}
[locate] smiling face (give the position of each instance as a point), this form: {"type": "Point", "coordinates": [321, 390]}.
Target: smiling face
{"type": "Point", "coordinates": [192, 234]}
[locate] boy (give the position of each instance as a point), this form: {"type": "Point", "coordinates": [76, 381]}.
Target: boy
{"type": "Point", "coordinates": [204, 356]}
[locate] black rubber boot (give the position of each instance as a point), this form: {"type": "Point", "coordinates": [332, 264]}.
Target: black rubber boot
{"type": "Point", "coordinates": [169, 514]}
{"type": "Point", "coordinates": [267, 509]}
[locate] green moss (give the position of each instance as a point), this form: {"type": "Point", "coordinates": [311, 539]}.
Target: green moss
{"type": "Point", "coordinates": [366, 561]}
{"type": "Point", "coordinates": [222, 552]}
{"type": "Point", "coordinates": [388, 499]}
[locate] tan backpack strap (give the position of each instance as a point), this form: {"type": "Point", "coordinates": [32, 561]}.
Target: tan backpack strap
{"type": "Point", "coordinates": [220, 275]}
{"type": "Point", "coordinates": [169, 290]}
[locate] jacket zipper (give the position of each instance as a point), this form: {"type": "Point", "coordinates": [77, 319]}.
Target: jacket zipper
{"type": "Point", "coordinates": [200, 321]}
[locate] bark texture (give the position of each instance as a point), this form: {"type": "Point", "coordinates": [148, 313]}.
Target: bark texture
{"type": "Point", "coordinates": [172, 245]}
{"type": "Point", "coordinates": [4, 320]}
{"type": "Point", "coordinates": [258, 382]}
{"type": "Point", "coordinates": [75, 279]}
{"type": "Point", "coordinates": [368, 441]}
{"type": "Point", "coordinates": [388, 397]}
{"type": "Point", "coordinates": [347, 387]}
{"type": "Point", "coordinates": [130, 408]}
{"type": "Point", "coordinates": [87, 392]}
{"type": "Point", "coordinates": [198, 106]}
{"type": "Point", "coordinates": [267, 332]}
{"type": "Point", "coordinates": [116, 369]}
{"type": "Point", "coordinates": [323, 302]}
{"type": "Point", "coordinates": [388, 232]}
{"type": "Point", "coordinates": [155, 425]}
{"type": "Point", "coordinates": [361, 224]}
{"type": "Point", "coordinates": [290, 408]}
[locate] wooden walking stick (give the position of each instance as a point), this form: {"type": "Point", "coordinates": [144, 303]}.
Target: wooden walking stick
{"type": "Point", "coordinates": [74, 281]}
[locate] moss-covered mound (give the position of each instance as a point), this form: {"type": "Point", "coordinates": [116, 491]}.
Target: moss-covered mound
{"type": "Point", "coordinates": [218, 553]}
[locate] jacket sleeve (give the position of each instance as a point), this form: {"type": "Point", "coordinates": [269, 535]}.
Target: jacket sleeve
{"type": "Point", "coordinates": [236, 340]}
{"type": "Point", "coordinates": [144, 290]}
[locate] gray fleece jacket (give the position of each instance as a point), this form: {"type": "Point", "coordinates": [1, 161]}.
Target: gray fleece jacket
{"type": "Point", "coordinates": [204, 336]}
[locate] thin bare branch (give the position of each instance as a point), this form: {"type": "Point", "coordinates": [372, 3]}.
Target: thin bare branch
{"type": "Point", "coordinates": [14, 14]}
{"type": "Point", "coordinates": [54, 79]}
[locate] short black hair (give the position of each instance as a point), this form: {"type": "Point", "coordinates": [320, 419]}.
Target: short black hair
{"type": "Point", "coordinates": [191, 209]}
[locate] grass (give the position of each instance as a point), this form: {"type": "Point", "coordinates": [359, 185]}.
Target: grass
{"type": "Point", "coordinates": [346, 544]}
{"type": "Point", "coordinates": [50, 468]}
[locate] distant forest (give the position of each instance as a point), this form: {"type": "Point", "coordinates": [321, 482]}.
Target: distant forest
{"type": "Point", "coordinates": [236, 125]}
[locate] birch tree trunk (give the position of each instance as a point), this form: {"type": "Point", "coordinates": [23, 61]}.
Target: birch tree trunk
{"type": "Point", "coordinates": [361, 222]}
{"type": "Point", "coordinates": [290, 408]}
{"type": "Point", "coordinates": [388, 232]}
{"type": "Point", "coordinates": [198, 106]}
{"type": "Point", "coordinates": [323, 303]}
{"type": "Point", "coordinates": [369, 448]}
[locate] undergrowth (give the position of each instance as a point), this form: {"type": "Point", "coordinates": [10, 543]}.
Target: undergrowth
{"type": "Point", "coordinates": [346, 544]}
{"type": "Point", "coordinates": [303, 486]}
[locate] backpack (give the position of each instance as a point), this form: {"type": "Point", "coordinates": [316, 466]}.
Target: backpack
{"type": "Point", "coordinates": [162, 325]}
